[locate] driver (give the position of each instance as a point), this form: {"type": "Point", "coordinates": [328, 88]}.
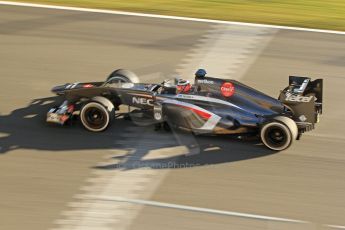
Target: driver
{"type": "Point", "coordinates": [183, 86]}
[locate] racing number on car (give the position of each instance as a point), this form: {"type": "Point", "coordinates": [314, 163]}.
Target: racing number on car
{"type": "Point", "coordinates": [227, 89]}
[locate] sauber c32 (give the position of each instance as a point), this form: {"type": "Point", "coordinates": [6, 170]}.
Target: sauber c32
{"type": "Point", "coordinates": [213, 106]}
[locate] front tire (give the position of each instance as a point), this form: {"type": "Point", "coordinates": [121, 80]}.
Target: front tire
{"type": "Point", "coordinates": [95, 117]}
{"type": "Point", "coordinates": [276, 136]}
{"type": "Point", "coordinates": [122, 76]}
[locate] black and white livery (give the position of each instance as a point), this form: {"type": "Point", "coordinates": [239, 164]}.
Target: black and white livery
{"type": "Point", "coordinates": [209, 106]}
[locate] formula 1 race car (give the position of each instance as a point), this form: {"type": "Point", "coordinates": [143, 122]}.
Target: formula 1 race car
{"type": "Point", "coordinates": [209, 106]}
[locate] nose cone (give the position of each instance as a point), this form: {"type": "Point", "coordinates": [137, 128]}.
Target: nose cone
{"type": "Point", "coordinates": [60, 89]}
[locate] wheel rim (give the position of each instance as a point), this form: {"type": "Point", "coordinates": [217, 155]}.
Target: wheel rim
{"type": "Point", "coordinates": [276, 136]}
{"type": "Point", "coordinates": [95, 118]}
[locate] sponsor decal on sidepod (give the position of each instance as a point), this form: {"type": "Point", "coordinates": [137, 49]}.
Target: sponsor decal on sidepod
{"type": "Point", "coordinates": [142, 101]}
{"type": "Point", "coordinates": [298, 98]}
{"type": "Point", "coordinates": [227, 89]}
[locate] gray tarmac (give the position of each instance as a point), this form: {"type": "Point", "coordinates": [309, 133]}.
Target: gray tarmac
{"type": "Point", "coordinates": [42, 167]}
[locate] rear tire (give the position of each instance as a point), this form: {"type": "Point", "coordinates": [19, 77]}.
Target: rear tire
{"type": "Point", "coordinates": [95, 117]}
{"type": "Point", "coordinates": [279, 134]}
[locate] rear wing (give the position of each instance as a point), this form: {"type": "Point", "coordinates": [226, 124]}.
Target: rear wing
{"type": "Point", "coordinates": [304, 97]}
{"type": "Point", "coordinates": [305, 86]}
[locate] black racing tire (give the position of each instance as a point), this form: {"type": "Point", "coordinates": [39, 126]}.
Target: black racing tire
{"type": "Point", "coordinates": [276, 136]}
{"type": "Point", "coordinates": [122, 76]}
{"type": "Point", "coordinates": [95, 117]}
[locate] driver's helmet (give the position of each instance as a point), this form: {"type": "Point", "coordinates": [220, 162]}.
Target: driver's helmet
{"type": "Point", "coordinates": [200, 73]}
{"type": "Point", "coordinates": [183, 86]}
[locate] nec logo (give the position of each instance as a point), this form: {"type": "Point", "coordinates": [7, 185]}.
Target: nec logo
{"type": "Point", "coordinates": [142, 101]}
{"type": "Point", "coordinates": [298, 98]}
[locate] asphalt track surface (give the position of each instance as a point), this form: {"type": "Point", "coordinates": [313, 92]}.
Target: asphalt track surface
{"type": "Point", "coordinates": [43, 167]}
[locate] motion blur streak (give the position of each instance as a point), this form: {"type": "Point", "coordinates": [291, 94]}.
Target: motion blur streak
{"type": "Point", "coordinates": [226, 50]}
{"type": "Point", "coordinates": [170, 17]}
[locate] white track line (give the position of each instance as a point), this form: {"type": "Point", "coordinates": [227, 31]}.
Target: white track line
{"type": "Point", "coordinates": [169, 17]}
{"type": "Point", "coordinates": [194, 209]}
{"type": "Point", "coordinates": [335, 226]}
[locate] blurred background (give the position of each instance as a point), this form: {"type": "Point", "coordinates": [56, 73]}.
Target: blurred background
{"type": "Point", "coordinates": [301, 13]}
